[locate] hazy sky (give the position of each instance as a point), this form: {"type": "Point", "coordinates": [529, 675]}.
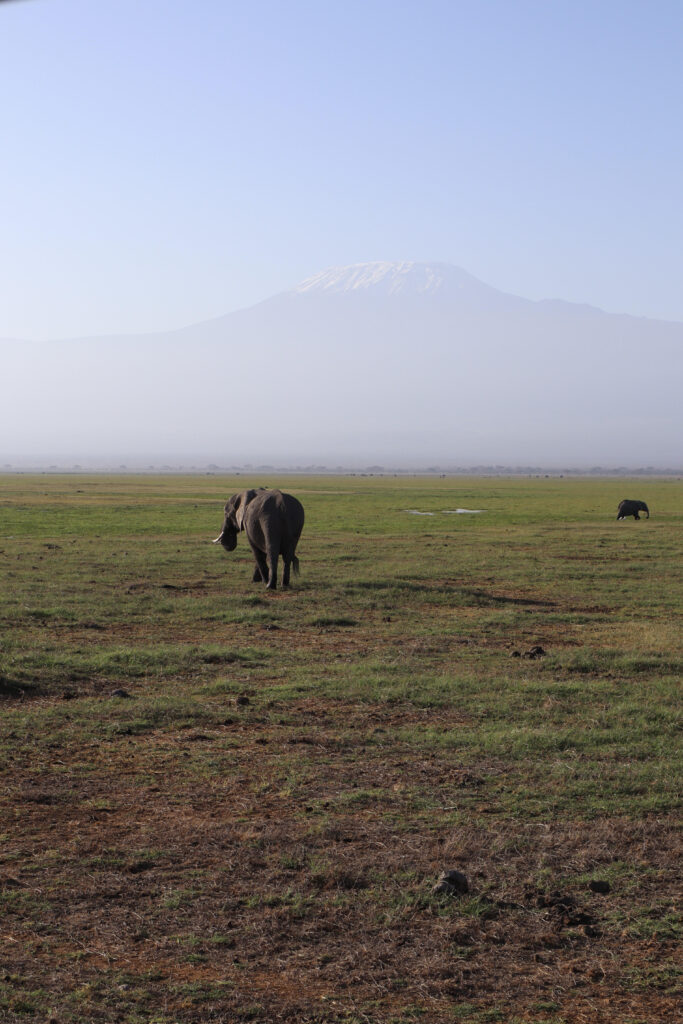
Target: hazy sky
{"type": "Point", "coordinates": [167, 161]}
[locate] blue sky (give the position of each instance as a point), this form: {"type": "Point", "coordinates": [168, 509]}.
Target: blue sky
{"type": "Point", "coordinates": [167, 161]}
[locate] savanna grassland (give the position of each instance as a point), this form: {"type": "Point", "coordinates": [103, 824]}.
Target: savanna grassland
{"type": "Point", "coordinates": [252, 830]}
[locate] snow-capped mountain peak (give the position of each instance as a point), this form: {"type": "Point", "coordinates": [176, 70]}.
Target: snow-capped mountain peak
{"type": "Point", "coordinates": [405, 277]}
{"type": "Point", "coordinates": [408, 281]}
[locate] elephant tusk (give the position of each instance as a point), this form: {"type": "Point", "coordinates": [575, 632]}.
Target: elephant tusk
{"type": "Point", "coordinates": [218, 538]}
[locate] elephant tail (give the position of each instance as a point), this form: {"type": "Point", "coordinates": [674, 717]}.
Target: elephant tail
{"type": "Point", "coordinates": [295, 565]}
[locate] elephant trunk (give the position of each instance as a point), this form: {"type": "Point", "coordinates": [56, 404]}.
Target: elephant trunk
{"type": "Point", "coordinates": [227, 538]}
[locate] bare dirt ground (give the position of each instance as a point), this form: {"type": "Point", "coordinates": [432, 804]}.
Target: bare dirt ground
{"type": "Point", "coordinates": [148, 888]}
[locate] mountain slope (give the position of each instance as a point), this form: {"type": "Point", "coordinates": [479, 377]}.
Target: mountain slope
{"type": "Point", "coordinates": [392, 362]}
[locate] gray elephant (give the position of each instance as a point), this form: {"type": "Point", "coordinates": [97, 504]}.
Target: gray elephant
{"type": "Point", "coordinates": [632, 508]}
{"type": "Point", "coordinates": [273, 522]}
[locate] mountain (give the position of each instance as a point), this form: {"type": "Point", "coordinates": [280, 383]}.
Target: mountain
{"type": "Point", "coordinates": [407, 279]}
{"type": "Point", "coordinates": [400, 363]}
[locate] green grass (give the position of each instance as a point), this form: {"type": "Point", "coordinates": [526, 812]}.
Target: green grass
{"type": "Point", "coordinates": [289, 772]}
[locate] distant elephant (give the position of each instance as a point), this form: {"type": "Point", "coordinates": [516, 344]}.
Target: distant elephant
{"type": "Point", "coordinates": [632, 508]}
{"type": "Point", "coordinates": [273, 522]}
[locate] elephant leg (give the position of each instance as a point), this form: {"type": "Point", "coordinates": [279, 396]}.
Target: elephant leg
{"type": "Point", "coordinates": [261, 570]}
{"type": "Point", "coordinates": [285, 572]}
{"type": "Point", "coordinates": [636, 516]}
{"type": "Point", "coordinates": [272, 555]}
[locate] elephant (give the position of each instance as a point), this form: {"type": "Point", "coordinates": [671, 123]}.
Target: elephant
{"type": "Point", "coordinates": [632, 508]}
{"type": "Point", "coordinates": [273, 522]}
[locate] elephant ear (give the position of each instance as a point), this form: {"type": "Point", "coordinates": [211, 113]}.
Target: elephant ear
{"type": "Point", "coordinates": [244, 499]}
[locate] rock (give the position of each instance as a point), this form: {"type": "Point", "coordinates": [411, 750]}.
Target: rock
{"type": "Point", "coordinates": [515, 654]}
{"type": "Point", "coordinates": [138, 866]}
{"type": "Point", "coordinates": [457, 879]}
{"type": "Point", "coordinates": [120, 693]}
{"type": "Point", "coordinates": [599, 885]}
{"type": "Point", "coordinates": [534, 652]}
{"type": "Point", "coordinates": [242, 701]}
{"type": "Point", "coordinates": [451, 883]}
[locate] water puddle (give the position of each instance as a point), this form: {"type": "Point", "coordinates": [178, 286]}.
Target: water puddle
{"type": "Point", "coordinates": [446, 512]}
